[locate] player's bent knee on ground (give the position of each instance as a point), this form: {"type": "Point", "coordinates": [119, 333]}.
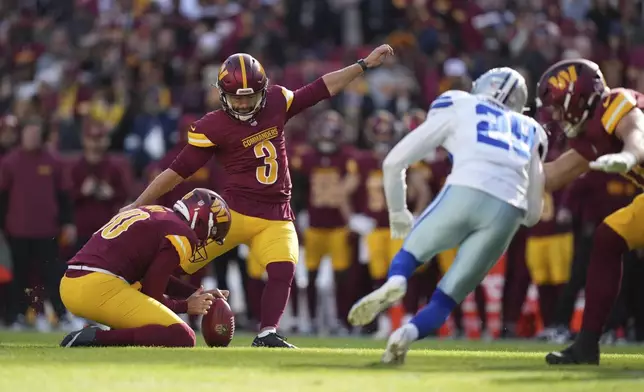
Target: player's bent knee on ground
{"type": "Point", "coordinates": [180, 335]}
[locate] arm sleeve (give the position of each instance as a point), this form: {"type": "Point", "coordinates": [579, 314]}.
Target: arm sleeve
{"type": "Point", "coordinates": [190, 159]}
{"type": "Point", "coordinates": [411, 149]}
{"type": "Point", "coordinates": [304, 97]}
{"type": "Point", "coordinates": [178, 288]}
{"type": "Point", "coordinates": [155, 281]}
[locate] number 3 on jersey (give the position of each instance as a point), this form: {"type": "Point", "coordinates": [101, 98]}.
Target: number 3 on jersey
{"type": "Point", "coordinates": [266, 174]}
{"type": "Point", "coordinates": [495, 131]}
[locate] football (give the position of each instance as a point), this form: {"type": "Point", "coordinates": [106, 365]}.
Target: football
{"type": "Point", "coordinates": [218, 325]}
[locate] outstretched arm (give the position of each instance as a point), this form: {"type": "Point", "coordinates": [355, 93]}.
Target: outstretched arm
{"type": "Point", "coordinates": [560, 172]}
{"type": "Point", "coordinates": [331, 83]}
{"type": "Point", "coordinates": [630, 130]}
{"type": "Point", "coordinates": [336, 81]}
{"type": "Point", "coordinates": [411, 149]}
{"type": "Point", "coordinates": [189, 160]}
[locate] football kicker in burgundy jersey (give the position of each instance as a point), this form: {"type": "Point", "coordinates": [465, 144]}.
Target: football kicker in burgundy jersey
{"type": "Point", "coordinates": [253, 154]}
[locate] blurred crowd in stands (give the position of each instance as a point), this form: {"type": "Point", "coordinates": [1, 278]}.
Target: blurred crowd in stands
{"type": "Point", "coordinates": [96, 97]}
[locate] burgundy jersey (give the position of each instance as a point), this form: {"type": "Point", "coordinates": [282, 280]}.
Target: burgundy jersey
{"type": "Point", "coordinates": [325, 174]}
{"type": "Point", "coordinates": [598, 137]}
{"type": "Point", "coordinates": [370, 196]}
{"type": "Point", "coordinates": [33, 181]}
{"type": "Point", "coordinates": [91, 212]}
{"type": "Point", "coordinates": [548, 225]}
{"type": "Point", "coordinates": [596, 194]}
{"type": "Point", "coordinates": [439, 170]}
{"type": "Point", "coordinates": [253, 154]}
{"type": "Point", "coordinates": [131, 241]}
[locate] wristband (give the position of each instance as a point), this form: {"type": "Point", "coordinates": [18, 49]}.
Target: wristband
{"type": "Point", "coordinates": [362, 65]}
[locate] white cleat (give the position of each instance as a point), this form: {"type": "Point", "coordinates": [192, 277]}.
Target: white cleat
{"type": "Point", "coordinates": [366, 309]}
{"type": "Point", "coordinates": [398, 345]}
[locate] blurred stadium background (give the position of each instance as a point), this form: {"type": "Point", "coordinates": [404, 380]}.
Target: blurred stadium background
{"type": "Point", "coordinates": [108, 88]}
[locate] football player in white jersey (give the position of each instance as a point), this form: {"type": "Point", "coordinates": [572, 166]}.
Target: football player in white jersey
{"type": "Point", "coordinates": [496, 184]}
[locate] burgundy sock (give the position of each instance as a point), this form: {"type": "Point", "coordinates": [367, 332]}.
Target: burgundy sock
{"type": "Point", "coordinates": [295, 303]}
{"type": "Point", "coordinates": [481, 305]}
{"type": "Point", "coordinates": [175, 335]}
{"type": "Point", "coordinates": [517, 281]}
{"type": "Point", "coordinates": [548, 295]}
{"type": "Point", "coordinates": [255, 289]}
{"type": "Point", "coordinates": [342, 303]}
{"type": "Point", "coordinates": [276, 292]}
{"type": "Point", "coordinates": [603, 278]}
{"type": "Point", "coordinates": [457, 316]}
{"type": "Point", "coordinates": [312, 295]}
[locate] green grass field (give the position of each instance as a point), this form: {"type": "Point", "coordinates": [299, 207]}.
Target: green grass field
{"type": "Point", "coordinates": [29, 362]}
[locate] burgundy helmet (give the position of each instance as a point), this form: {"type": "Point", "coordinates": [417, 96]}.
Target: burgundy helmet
{"type": "Point", "coordinates": [242, 85]}
{"type": "Point", "coordinates": [412, 119]}
{"type": "Point", "coordinates": [328, 129]}
{"type": "Point", "coordinates": [569, 90]}
{"type": "Point", "coordinates": [207, 214]}
{"type": "Point", "coordinates": [381, 131]}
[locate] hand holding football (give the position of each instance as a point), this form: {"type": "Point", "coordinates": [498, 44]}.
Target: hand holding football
{"type": "Point", "coordinates": [218, 325]}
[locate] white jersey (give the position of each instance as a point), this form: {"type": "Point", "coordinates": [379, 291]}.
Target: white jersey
{"type": "Point", "coordinates": [491, 147]}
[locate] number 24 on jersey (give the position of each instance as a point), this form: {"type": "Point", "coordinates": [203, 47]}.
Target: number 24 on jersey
{"type": "Point", "coordinates": [505, 131]}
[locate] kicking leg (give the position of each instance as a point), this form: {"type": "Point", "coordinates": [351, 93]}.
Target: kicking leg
{"type": "Point", "coordinates": [478, 253]}
{"type": "Point", "coordinates": [602, 288]}
{"type": "Point", "coordinates": [275, 247]}
{"type": "Point", "coordinates": [440, 227]}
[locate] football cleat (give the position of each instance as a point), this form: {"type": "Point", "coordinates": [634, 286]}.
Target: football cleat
{"type": "Point", "coordinates": [398, 345]}
{"type": "Point", "coordinates": [273, 339]}
{"type": "Point", "coordinates": [366, 309]}
{"type": "Point", "coordinates": [573, 355]}
{"type": "Point", "coordinates": [85, 337]}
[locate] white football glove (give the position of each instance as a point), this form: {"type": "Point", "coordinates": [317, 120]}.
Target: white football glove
{"type": "Point", "coordinates": [615, 163]}
{"type": "Point", "coordinates": [400, 223]}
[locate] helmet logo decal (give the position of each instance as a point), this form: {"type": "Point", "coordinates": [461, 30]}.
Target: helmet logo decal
{"type": "Point", "coordinates": [565, 76]}
{"type": "Point", "coordinates": [219, 211]}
